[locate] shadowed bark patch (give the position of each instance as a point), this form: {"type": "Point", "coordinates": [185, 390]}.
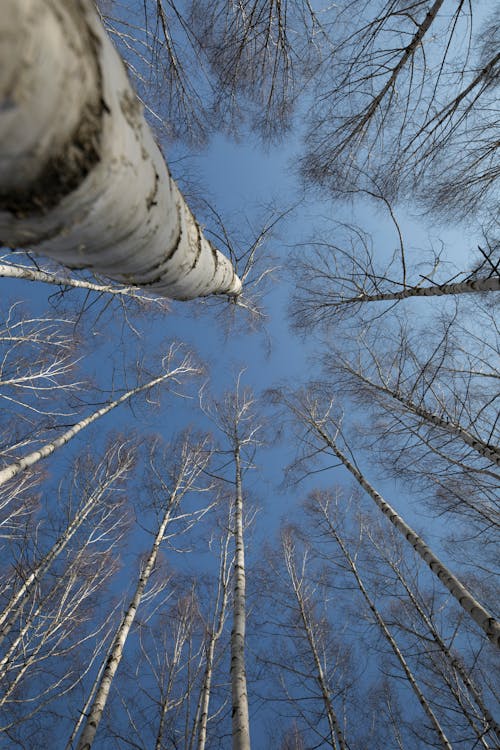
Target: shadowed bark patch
{"type": "Point", "coordinates": [66, 169]}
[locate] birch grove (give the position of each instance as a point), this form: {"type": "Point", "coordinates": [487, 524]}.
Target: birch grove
{"type": "Point", "coordinates": [222, 567]}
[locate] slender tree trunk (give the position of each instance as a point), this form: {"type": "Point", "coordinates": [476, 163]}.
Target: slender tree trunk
{"type": "Point", "coordinates": [81, 178]}
{"type": "Point", "coordinates": [491, 452]}
{"type": "Point", "coordinates": [491, 284]}
{"type": "Point", "coordinates": [32, 274]}
{"type": "Point", "coordinates": [336, 734]}
{"type": "Point", "coordinates": [215, 634]}
{"type": "Point", "coordinates": [115, 654]}
{"type": "Point", "coordinates": [12, 610]}
{"type": "Point", "coordinates": [478, 613]}
{"type": "Point", "coordinates": [443, 740]}
{"type": "Point", "coordinates": [454, 661]}
{"type": "Point", "coordinates": [46, 450]}
{"type": "Point", "coordinates": [240, 720]}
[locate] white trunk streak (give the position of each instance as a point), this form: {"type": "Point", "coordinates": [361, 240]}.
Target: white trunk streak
{"type": "Point", "coordinates": [463, 596]}
{"type": "Point", "coordinates": [81, 178]}
{"type": "Point", "coordinates": [240, 721]}
{"type": "Point", "coordinates": [12, 610]}
{"type": "Point", "coordinates": [336, 735]}
{"type": "Point", "coordinates": [105, 680]}
{"type": "Point", "coordinates": [215, 634]}
{"type": "Point", "coordinates": [491, 284]}
{"type": "Point", "coordinates": [32, 274]}
{"type": "Point", "coordinates": [491, 452]}
{"type": "Point", "coordinates": [388, 636]}
{"type": "Point", "coordinates": [454, 662]}
{"type": "Point", "coordinates": [46, 450]}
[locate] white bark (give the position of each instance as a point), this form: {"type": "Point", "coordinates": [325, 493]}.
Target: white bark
{"type": "Point", "coordinates": [469, 286]}
{"type": "Point", "coordinates": [491, 452]}
{"type": "Point", "coordinates": [46, 450]}
{"type": "Point", "coordinates": [475, 609]}
{"type": "Point", "coordinates": [81, 178]}
{"type": "Point", "coordinates": [101, 696]}
{"type": "Point", "coordinates": [389, 637]}
{"type": "Point", "coordinates": [12, 609]}
{"type": "Point", "coordinates": [214, 635]}
{"type": "Point", "coordinates": [336, 735]}
{"type": "Point", "coordinates": [7, 270]}
{"type": "Point", "coordinates": [454, 661]}
{"type": "Point", "coordinates": [240, 720]}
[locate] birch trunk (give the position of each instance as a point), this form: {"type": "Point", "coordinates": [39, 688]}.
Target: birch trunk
{"type": "Point", "coordinates": [10, 271]}
{"type": "Point", "coordinates": [443, 740]}
{"type": "Point", "coordinates": [46, 450]}
{"type": "Point", "coordinates": [476, 610]}
{"type": "Point", "coordinates": [491, 452]}
{"type": "Point", "coordinates": [240, 720]}
{"type": "Point", "coordinates": [12, 609]}
{"type": "Point", "coordinates": [336, 735]}
{"type": "Point", "coordinates": [215, 634]}
{"type": "Point", "coordinates": [491, 284]}
{"type": "Point", "coordinates": [81, 177]}
{"type": "Point", "coordinates": [454, 662]}
{"type": "Point", "coordinates": [115, 655]}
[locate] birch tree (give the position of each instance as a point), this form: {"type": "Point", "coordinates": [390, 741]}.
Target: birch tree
{"type": "Point", "coordinates": [305, 603]}
{"type": "Point", "coordinates": [417, 615]}
{"type": "Point", "coordinates": [236, 421]}
{"type": "Point", "coordinates": [340, 279]}
{"type": "Point", "coordinates": [408, 85]}
{"type": "Point", "coordinates": [324, 431]}
{"type": "Point", "coordinates": [57, 635]}
{"type": "Point", "coordinates": [94, 502]}
{"type": "Point", "coordinates": [192, 460]}
{"type": "Point", "coordinates": [325, 504]}
{"type": "Point", "coordinates": [95, 192]}
{"type": "Point", "coordinates": [185, 367]}
{"type": "Point", "coordinates": [432, 398]}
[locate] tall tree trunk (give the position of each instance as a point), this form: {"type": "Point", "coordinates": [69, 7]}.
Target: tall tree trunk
{"type": "Point", "coordinates": [453, 660]}
{"type": "Point", "coordinates": [116, 652]}
{"type": "Point", "coordinates": [336, 736]}
{"type": "Point", "coordinates": [12, 609]}
{"type": "Point", "coordinates": [46, 450]}
{"type": "Point", "coordinates": [240, 720]}
{"type": "Point", "coordinates": [81, 177]}
{"type": "Point", "coordinates": [491, 452]}
{"type": "Point", "coordinates": [214, 635]}
{"type": "Point", "coordinates": [476, 610]}
{"type": "Point", "coordinates": [443, 740]}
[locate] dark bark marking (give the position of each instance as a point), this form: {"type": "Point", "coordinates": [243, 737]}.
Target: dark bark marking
{"type": "Point", "coordinates": [65, 171]}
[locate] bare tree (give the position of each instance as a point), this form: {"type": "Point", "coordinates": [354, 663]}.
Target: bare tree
{"type": "Point", "coordinates": [82, 179]}
{"type": "Point", "coordinates": [185, 471]}
{"type": "Point", "coordinates": [173, 373]}
{"type": "Point", "coordinates": [235, 419]}
{"type": "Point", "coordinates": [409, 83]}
{"type": "Point", "coordinates": [296, 570]}
{"type": "Point", "coordinates": [335, 280]}
{"type": "Point", "coordinates": [324, 503]}
{"type": "Point", "coordinates": [94, 502]}
{"type": "Point", "coordinates": [417, 616]}
{"type": "Point", "coordinates": [214, 633]}
{"type": "Point", "coordinates": [323, 432]}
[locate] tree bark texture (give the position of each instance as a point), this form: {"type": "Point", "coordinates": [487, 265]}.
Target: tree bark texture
{"type": "Point", "coordinates": [240, 720]}
{"type": "Point", "coordinates": [81, 177]}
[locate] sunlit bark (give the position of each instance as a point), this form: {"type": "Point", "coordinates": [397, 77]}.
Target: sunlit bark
{"type": "Point", "coordinates": [81, 178]}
